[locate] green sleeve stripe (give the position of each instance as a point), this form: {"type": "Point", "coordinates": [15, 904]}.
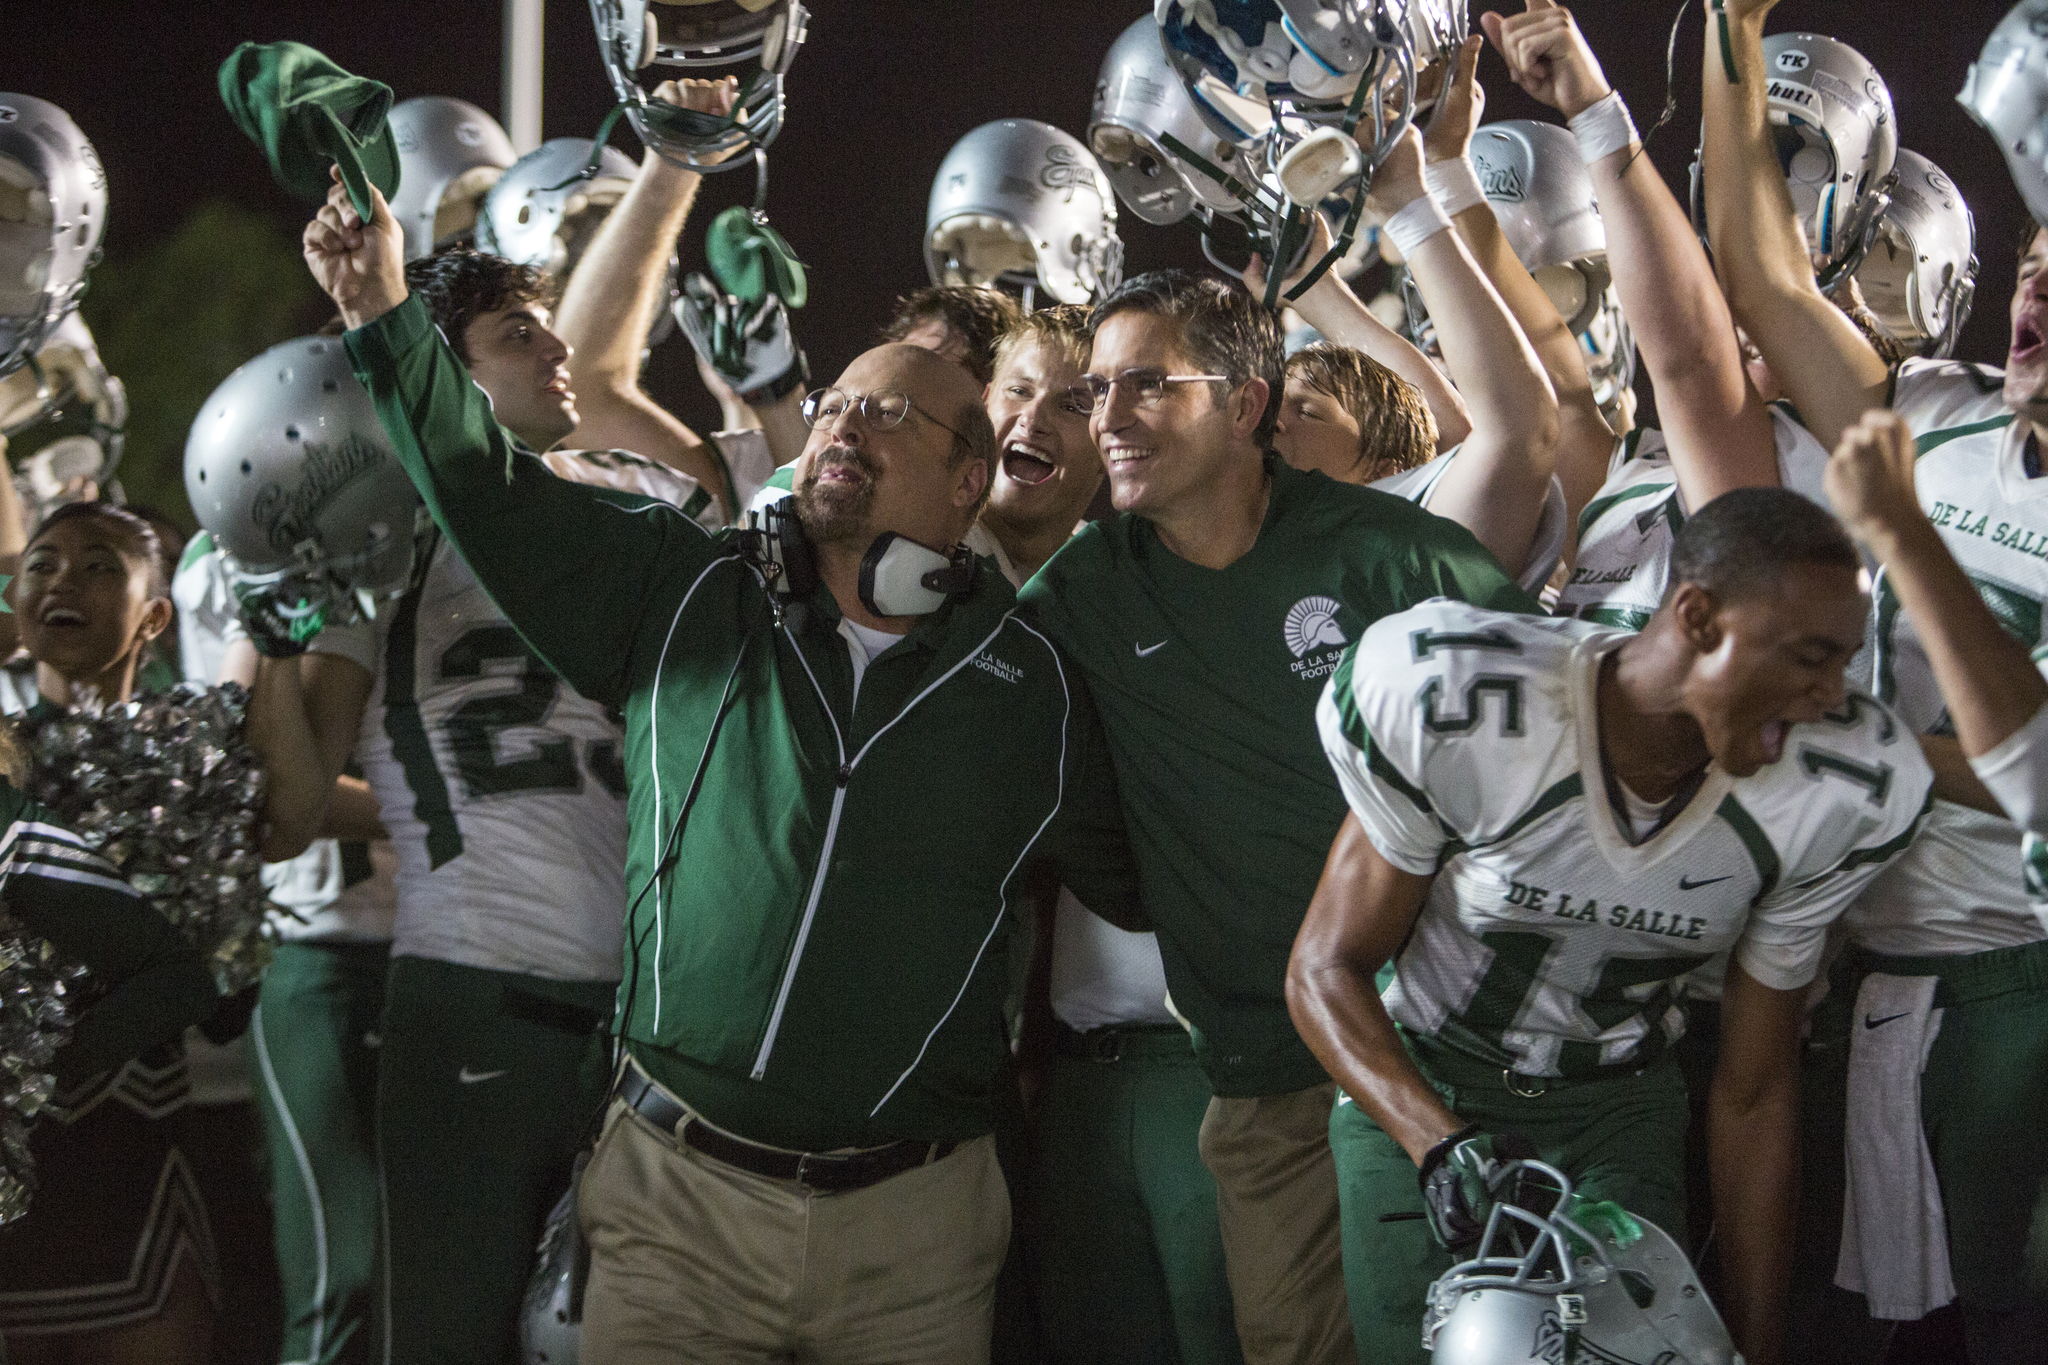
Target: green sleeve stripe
{"type": "Point", "coordinates": [409, 733]}
{"type": "Point", "coordinates": [1631, 444]}
{"type": "Point", "coordinates": [1760, 851]}
{"type": "Point", "coordinates": [1597, 508]}
{"type": "Point", "coordinates": [1924, 443]}
{"type": "Point", "coordinates": [200, 547]}
{"type": "Point", "coordinates": [1890, 848]}
{"type": "Point", "coordinates": [1627, 618]}
{"type": "Point", "coordinates": [1360, 738]}
{"type": "Point", "coordinates": [1570, 789]}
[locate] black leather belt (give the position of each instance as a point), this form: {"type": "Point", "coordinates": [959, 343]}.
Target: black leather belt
{"type": "Point", "coordinates": [824, 1172]}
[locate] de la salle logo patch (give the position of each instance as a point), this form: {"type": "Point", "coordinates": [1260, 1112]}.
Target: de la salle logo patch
{"type": "Point", "coordinates": [1313, 636]}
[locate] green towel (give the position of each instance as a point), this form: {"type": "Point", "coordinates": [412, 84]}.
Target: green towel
{"type": "Point", "coordinates": [751, 260]}
{"type": "Point", "coordinates": [306, 114]}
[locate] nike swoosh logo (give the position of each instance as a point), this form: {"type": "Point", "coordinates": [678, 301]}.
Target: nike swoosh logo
{"type": "Point", "coordinates": [468, 1077]}
{"type": "Point", "coordinates": [1869, 1022]}
{"type": "Point", "coordinates": [1144, 652]}
{"type": "Point", "coordinates": [1684, 885]}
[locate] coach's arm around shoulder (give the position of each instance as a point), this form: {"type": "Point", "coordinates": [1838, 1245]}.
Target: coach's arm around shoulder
{"type": "Point", "coordinates": [570, 565]}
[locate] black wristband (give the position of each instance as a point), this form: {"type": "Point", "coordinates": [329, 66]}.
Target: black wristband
{"type": "Point", "coordinates": [775, 390]}
{"type": "Point", "coordinates": [1441, 1151]}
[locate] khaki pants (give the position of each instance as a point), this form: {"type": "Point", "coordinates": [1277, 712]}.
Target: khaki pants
{"type": "Point", "coordinates": [696, 1261]}
{"type": "Point", "coordinates": [1283, 1242]}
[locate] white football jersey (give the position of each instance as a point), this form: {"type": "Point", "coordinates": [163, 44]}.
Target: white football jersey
{"type": "Point", "coordinates": [1466, 744]}
{"type": "Point", "coordinates": [503, 788]}
{"type": "Point", "coordinates": [1961, 888]}
{"type": "Point", "coordinates": [1626, 531]}
{"type": "Point", "coordinates": [1419, 485]}
{"type": "Point", "coordinates": [329, 893]}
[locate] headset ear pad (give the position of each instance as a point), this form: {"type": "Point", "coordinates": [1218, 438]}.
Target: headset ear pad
{"type": "Point", "coordinates": [899, 577]}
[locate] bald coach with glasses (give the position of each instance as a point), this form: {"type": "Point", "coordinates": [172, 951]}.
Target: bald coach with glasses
{"type": "Point", "coordinates": [843, 751]}
{"type": "Point", "coordinates": [1207, 617]}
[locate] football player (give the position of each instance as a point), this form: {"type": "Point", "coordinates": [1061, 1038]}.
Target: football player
{"type": "Point", "coordinates": [1551, 823]}
{"type": "Point", "coordinates": [1953, 911]}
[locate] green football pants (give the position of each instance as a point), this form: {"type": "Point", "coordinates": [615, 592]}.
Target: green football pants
{"type": "Point", "coordinates": [1126, 1250]}
{"type": "Point", "coordinates": [1619, 1137]}
{"type": "Point", "coordinates": [487, 1085]}
{"type": "Point", "coordinates": [312, 1056]}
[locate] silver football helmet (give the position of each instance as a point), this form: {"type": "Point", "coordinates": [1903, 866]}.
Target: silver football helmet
{"type": "Point", "coordinates": [1920, 275]}
{"type": "Point", "coordinates": [53, 209]}
{"type": "Point", "coordinates": [2007, 92]}
{"type": "Point", "coordinates": [1309, 55]}
{"type": "Point", "coordinates": [1562, 1286]}
{"type": "Point", "coordinates": [551, 1316]}
{"type": "Point", "coordinates": [289, 468]}
{"type": "Point", "coordinates": [450, 153]}
{"type": "Point", "coordinates": [1138, 100]}
{"type": "Point", "coordinates": [540, 213]}
{"type": "Point", "coordinates": [1837, 137]}
{"type": "Point", "coordinates": [698, 36]}
{"type": "Point", "coordinates": [1022, 202]}
{"type": "Point", "coordinates": [67, 370]}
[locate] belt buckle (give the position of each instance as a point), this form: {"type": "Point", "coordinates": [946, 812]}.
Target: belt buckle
{"type": "Point", "coordinates": [810, 1164]}
{"type": "Point", "coordinates": [1527, 1087]}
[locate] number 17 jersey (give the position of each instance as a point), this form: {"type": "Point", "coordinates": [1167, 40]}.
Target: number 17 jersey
{"type": "Point", "coordinates": [1466, 743]}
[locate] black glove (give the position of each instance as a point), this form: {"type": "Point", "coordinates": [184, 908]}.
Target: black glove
{"type": "Point", "coordinates": [1461, 1179]}
{"type": "Point", "coordinates": [230, 1017]}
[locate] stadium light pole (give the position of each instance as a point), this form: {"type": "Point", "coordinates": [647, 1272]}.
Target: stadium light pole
{"type": "Point", "coordinates": [525, 25]}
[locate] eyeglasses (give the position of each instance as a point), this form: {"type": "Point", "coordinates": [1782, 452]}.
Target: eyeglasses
{"type": "Point", "coordinates": [1146, 387]}
{"type": "Point", "coordinates": [884, 409]}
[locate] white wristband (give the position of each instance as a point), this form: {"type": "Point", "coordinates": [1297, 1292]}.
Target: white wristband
{"type": "Point", "coordinates": [1603, 128]}
{"type": "Point", "coordinates": [1454, 184]}
{"type": "Point", "coordinates": [1415, 223]}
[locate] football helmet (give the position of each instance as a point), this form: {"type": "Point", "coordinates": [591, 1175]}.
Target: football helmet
{"type": "Point", "coordinates": [1556, 1279]}
{"type": "Point", "coordinates": [53, 209]}
{"type": "Point", "coordinates": [1837, 137]}
{"type": "Point", "coordinates": [1022, 202]}
{"type": "Point", "coordinates": [551, 1316]}
{"type": "Point", "coordinates": [67, 370]}
{"type": "Point", "coordinates": [289, 468]}
{"type": "Point", "coordinates": [697, 36]}
{"type": "Point", "coordinates": [2007, 92]}
{"type": "Point", "coordinates": [540, 213]}
{"type": "Point", "coordinates": [1138, 98]}
{"type": "Point", "coordinates": [449, 154]}
{"type": "Point", "coordinates": [1310, 55]}
{"type": "Point", "coordinates": [1920, 275]}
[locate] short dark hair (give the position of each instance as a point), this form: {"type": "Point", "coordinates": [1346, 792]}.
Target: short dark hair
{"type": "Point", "coordinates": [147, 541]}
{"type": "Point", "coordinates": [1743, 541]}
{"type": "Point", "coordinates": [1224, 330]}
{"type": "Point", "coordinates": [1396, 430]}
{"type": "Point", "coordinates": [458, 285]}
{"type": "Point", "coordinates": [979, 317]}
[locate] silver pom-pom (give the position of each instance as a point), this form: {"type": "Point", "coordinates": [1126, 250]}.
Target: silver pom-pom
{"type": "Point", "coordinates": [166, 788]}
{"type": "Point", "coordinates": [35, 1020]}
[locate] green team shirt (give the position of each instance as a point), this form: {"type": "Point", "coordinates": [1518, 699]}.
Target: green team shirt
{"type": "Point", "coordinates": [1207, 680]}
{"type": "Point", "coordinates": [814, 956]}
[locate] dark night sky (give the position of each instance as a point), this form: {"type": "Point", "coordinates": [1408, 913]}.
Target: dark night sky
{"type": "Point", "coordinates": [880, 92]}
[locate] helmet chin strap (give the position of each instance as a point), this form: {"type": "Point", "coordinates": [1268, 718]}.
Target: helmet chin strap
{"type": "Point", "coordinates": [899, 577]}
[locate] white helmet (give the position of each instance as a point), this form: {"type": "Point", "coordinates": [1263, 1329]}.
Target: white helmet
{"type": "Point", "coordinates": [696, 36]}
{"type": "Point", "coordinates": [551, 1315]}
{"type": "Point", "coordinates": [543, 214]}
{"type": "Point", "coordinates": [1308, 54]}
{"type": "Point", "coordinates": [2007, 92]}
{"type": "Point", "coordinates": [1920, 274]}
{"type": "Point", "coordinates": [1138, 100]}
{"type": "Point", "coordinates": [1545, 1287]}
{"type": "Point", "coordinates": [1022, 201]}
{"type": "Point", "coordinates": [289, 468]}
{"type": "Point", "coordinates": [67, 370]}
{"type": "Point", "coordinates": [1542, 195]}
{"type": "Point", "coordinates": [53, 209]}
{"type": "Point", "coordinates": [449, 153]}
{"type": "Point", "coordinates": [1837, 136]}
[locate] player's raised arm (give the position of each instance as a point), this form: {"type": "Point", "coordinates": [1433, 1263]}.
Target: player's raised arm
{"type": "Point", "coordinates": [1717, 428]}
{"type": "Point", "coordinates": [1495, 488]}
{"type": "Point", "coordinates": [1334, 309]}
{"type": "Point", "coordinates": [1831, 374]}
{"type": "Point", "coordinates": [613, 297]}
{"type": "Point", "coordinates": [1584, 442]}
{"type": "Point", "coordinates": [569, 564]}
{"type": "Point", "coordinates": [1995, 696]}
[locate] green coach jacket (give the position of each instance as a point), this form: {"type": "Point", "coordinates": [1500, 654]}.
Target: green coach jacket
{"type": "Point", "coordinates": [814, 956]}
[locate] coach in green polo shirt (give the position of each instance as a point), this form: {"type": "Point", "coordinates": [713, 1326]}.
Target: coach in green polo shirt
{"type": "Point", "coordinates": [1208, 617]}
{"type": "Point", "coordinates": [834, 788]}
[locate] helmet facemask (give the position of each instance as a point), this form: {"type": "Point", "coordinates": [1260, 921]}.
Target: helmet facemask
{"type": "Point", "coordinates": [701, 37]}
{"type": "Point", "coordinates": [53, 210]}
